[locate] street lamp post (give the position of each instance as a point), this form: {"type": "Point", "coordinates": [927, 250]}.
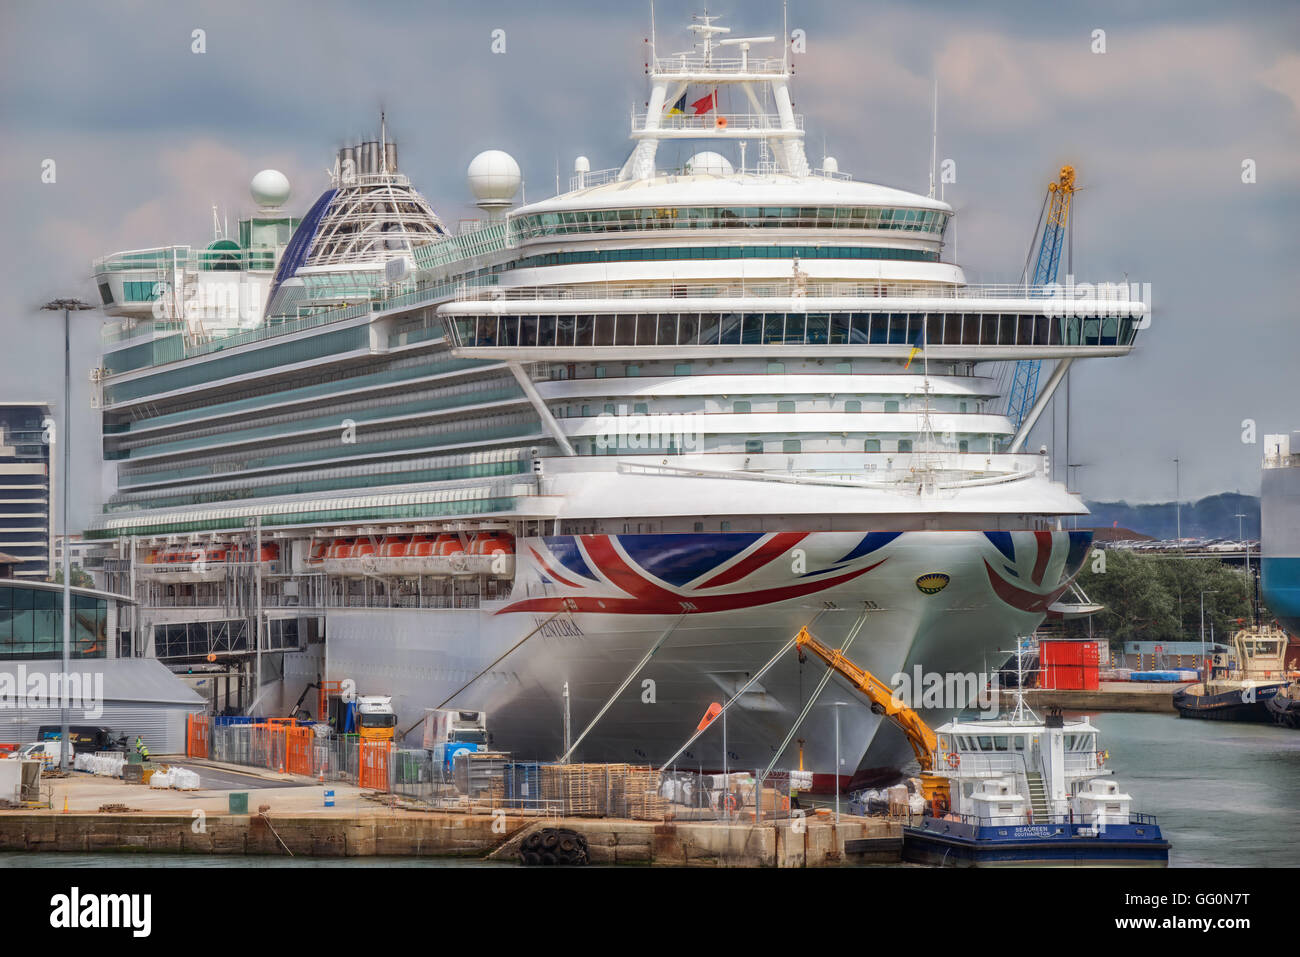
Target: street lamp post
{"type": "Point", "coordinates": [837, 706]}
{"type": "Point", "coordinates": [1178, 501]}
{"type": "Point", "coordinates": [1241, 538]}
{"type": "Point", "coordinates": [63, 437]}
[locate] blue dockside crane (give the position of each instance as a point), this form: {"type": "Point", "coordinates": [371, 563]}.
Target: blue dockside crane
{"type": "Point", "coordinates": [1024, 379]}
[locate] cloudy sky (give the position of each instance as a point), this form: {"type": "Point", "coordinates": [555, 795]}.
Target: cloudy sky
{"type": "Point", "coordinates": [148, 135]}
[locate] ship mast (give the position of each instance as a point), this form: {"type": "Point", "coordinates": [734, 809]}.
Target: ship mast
{"type": "Point", "coordinates": [706, 69]}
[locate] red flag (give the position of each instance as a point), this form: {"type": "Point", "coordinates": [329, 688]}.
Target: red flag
{"type": "Point", "coordinates": [705, 103]}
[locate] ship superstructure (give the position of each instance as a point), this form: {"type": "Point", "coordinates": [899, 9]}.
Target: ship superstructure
{"type": "Point", "coordinates": [692, 407]}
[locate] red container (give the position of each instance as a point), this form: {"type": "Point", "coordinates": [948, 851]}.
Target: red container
{"type": "Point", "coordinates": [1069, 665]}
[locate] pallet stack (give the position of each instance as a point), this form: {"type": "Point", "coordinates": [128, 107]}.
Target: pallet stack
{"type": "Point", "coordinates": [644, 802]}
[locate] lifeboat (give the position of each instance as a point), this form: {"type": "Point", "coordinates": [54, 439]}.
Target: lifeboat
{"type": "Point", "coordinates": [492, 553]}
{"type": "Point", "coordinates": [316, 556]}
{"type": "Point", "coordinates": [448, 557]}
{"type": "Point", "coordinates": [419, 556]}
{"type": "Point", "coordinates": [390, 559]}
{"type": "Point", "coordinates": [178, 564]}
{"type": "Point", "coordinates": [338, 557]}
{"type": "Point", "coordinates": [150, 564]}
{"type": "Point", "coordinates": [207, 564]}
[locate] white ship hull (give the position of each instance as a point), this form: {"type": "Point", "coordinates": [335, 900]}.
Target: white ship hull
{"type": "Point", "coordinates": [734, 626]}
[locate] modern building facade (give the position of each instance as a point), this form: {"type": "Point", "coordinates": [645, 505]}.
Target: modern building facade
{"type": "Point", "coordinates": [26, 529]}
{"type": "Point", "coordinates": [108, 688]}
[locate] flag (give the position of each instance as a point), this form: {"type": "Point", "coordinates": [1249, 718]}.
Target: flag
{"type": "Point", "coordinates": [918, 343]}
{"type": "Point", "coordinates": [705, 103]}
{"type": "Point", "coordinates": [678, 108]}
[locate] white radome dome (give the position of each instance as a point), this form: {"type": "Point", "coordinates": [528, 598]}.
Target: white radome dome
{"type": "Point", "coordinates": [270, 188]}
{"type": "Point", "coordinates": [709, 162]}
{"type": "Point", "coordinates": [494, 177]}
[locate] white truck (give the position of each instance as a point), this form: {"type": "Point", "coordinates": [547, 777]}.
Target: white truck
{"type": "Point", "coordinates": [448, 732]}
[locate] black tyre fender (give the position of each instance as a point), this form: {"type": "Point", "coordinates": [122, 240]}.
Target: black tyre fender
{"type": "Point", "coordinates": [530, 858]}
{"type": "Point", "coordinates": [533, 841]}
{"type": "Point", "coordinates": [548, 858]}
{"type": "Point", "coordinates": [550, 838]}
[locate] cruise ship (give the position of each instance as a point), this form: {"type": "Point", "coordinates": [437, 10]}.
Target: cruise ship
{"type": "Point", "coordinates": [1279, 502]}
{"type": "Point", "coordinates": [613, 447]}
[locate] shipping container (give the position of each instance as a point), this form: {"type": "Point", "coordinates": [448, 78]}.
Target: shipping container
{"type": "Point", "coordinates": [1069, 665]}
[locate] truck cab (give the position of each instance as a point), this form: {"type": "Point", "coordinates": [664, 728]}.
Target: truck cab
{"type": "Point", "coordinates": [375, 717]}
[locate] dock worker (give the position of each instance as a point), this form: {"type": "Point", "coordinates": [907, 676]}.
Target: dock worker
{"type": "Point", "coordinates": [140, 748]}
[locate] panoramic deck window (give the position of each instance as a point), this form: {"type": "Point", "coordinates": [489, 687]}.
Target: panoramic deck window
{"type": "Point", "coordinates": [571, 222]}
{"type": "Point", "coordinates": [794, 328]}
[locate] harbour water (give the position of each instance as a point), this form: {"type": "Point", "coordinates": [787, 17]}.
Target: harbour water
{"type": "Point", "coordinates": [1225, 794]}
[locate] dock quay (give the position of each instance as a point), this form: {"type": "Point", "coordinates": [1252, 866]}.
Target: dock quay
{"type": "Point", "coordinates": [1135, 696]}
{"type": "Point", "coordinates": [287, 816]}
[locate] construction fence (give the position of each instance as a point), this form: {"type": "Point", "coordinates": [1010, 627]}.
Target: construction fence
{"type": "Point", "coordinates": [483, 780]}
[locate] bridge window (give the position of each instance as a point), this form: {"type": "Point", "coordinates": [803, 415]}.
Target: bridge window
{"type": "Point", "coordinates": [853, 405]}
{"type": "Point", "coordinates": [791, 446]}
{"type": "Point", "coordinates": [775, 368]}
{"type": "Point", "coordinates": [891, 405]}
{"type": "Point", "coordinates": [785, 405]}
{"type": "Point", "coordinates": [753, 446]}
{"type": "Point", "coordinates": [904, 445]}
{"type": "Point", "coordinates": [871, 445]}
{"type": "Point", "coordinates": [740, 406]}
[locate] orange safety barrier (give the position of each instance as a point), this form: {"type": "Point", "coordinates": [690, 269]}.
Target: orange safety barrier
{"type": "Point", "coordinates": [328, 689]}
{"type": "Point", "coordinates": [373, 772]}
{"type": "Point", "coordinates": [298, 750]}
{"type": "Point", "coordinates": [196, 735]}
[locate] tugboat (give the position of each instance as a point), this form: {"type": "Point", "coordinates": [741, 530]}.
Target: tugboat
{"type": "Point", "coordinates": [1285, 706]}
{"type": "Point", "coordinates": [1030, 792]}
{"type": "Point", "coordinates": [1242, 693]}
{"type": "Point", "coordinates": [1012, 791]}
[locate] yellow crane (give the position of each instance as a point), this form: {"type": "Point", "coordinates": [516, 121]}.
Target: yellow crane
{"type": "Point", "coordinates": [924, 742]}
